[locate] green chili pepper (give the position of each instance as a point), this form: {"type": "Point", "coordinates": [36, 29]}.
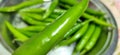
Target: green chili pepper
{"type": "Point", "coordinates": [92, 40]}
{"type": "Point", "coordinates": [27, 33]}
{"type": "Point", "coordinates": [34, 16]}
{"type": "Point", "coordinates": [76, 36]}
{"type": "Point", "coordinates": [40, 10]}
{"type": "Point", "coordinates": [49, 20]}
{"type": "Point", "coordinates": [75, 28]}
{"type": "Point", "coordinates": [94, 12]}
{"type": "Point", "coordinates": [32, 10]}
{"type": "Point", "coordinates": [18, 36]}
{"type": "Point", "coordinates": [51, 8]}
{"type": "Point", "coordinates": [54, 16]}
{"type": "Point", "coordinates": [29, 20]}
{"type": "Point", "coordinates": [38, 17]}
{"type": "Point", "coordinates": [84, 39]}
{"type": "Point", "coordinates": [96, 20]}
{"type": "Point", "coordinates": [20, 6]}
{"type": "Point", "coordinates": [65, 6]}
{"type": "Point", "coordinates": [59, 11]}
{"type": "Point", "coordinates": [54, 33]}
{"type": "Point", "coordinates": [33, 28]}
{"type": "Point", "coordinates": [7, 37]}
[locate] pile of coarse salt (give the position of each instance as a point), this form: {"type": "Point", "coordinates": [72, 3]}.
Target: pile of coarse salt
{"type": "Point", "coordinates": [63, 50]}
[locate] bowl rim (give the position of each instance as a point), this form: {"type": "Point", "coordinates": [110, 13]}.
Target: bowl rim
{"type": "Point", "coordinates": [110, 49]}
{"type": "Point", "coordinates": [114, 40]}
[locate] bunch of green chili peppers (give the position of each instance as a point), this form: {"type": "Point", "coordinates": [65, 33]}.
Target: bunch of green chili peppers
{"type": "Point", "coordinates": [62, 23]}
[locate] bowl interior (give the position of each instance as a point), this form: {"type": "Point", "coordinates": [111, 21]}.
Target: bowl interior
{"type": "Point", "coordinates": [105, 45]}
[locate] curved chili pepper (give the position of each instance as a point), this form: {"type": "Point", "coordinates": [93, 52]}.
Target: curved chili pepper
{"type": "Point", "coordinates": [31, 21]}
{"type": "Point", "coordinates": [94, 12]}
{"type": "Point", "coordinates": [35, 16]}
{"type": "Point", "coordinates": [96, 20]}
{"type": "Point", "coordinates": [18, 36]}
{"type": "Point", "coordinates": [84, 39]}
{"type": "Point", "coordinates": [33, 28]}
{"type": "Point", "coordinates": [93, 39]}
{"type": "Point", "coordinates": [28, 34]}
{"type": "Point", "coordinates": [51, 8]}
{"type": "Point", "coordinates": [20, 6]}
{"type": "Point", "coordinates": [76, 36]}
{"type": "Point", "coordinates": [32, 10]}
{"type": "Point", "coordinates": [65, 6]}
{"type": "Point", "coordinates": [75, 28]}
{"type": "Point", "coordinates": [49, 20]}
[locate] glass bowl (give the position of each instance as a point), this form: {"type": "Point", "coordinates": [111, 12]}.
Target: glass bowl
{"type": "Point", "coordinates": [105, 45]}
